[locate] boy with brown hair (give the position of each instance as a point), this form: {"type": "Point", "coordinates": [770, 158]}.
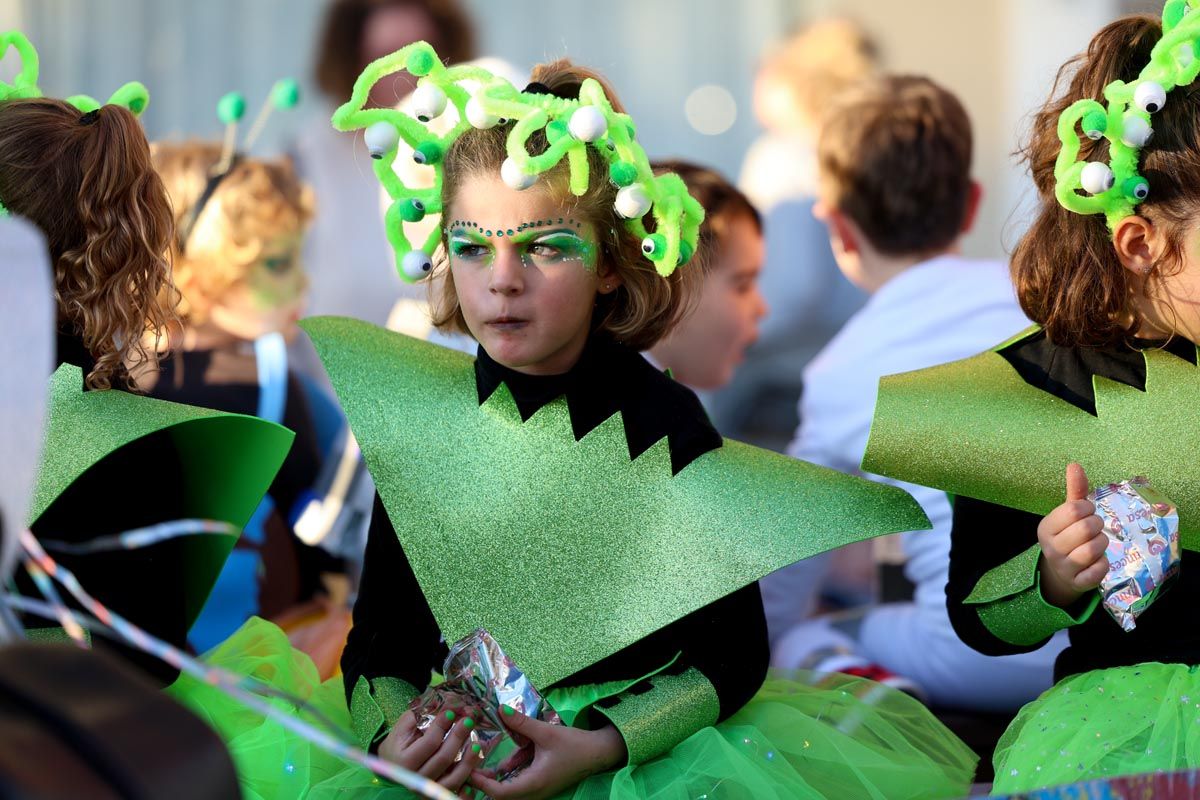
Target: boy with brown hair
{"type": "Point", "coordinates": [896, 194]}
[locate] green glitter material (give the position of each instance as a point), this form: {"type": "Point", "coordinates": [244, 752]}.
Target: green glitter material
{"type": "Point", "coordinates": [375, 706]}
{"type": "Point", "coordinates": [976, 428]}
{"type": "Point", "coordinates": [653, 722]}
{"type": "Point", "coordinates": [1173, 62]}
{"type": "Point", "coordinates": [1026, 619]}
{"type": "Point", "coordinates": [676, 213]}
{"type": "Point", "coordinates": [1012, 577]}
{"type": "Point", "coordinates": [228, 460]}
{"type": "Point", "coordinates": [598, 551]}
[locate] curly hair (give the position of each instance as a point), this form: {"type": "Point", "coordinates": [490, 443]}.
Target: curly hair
{"type": "Point", "coordinates": [645, 306]}
{"type": "Point", "coordinates": [1068, 276]}
{"type": "Point", "coordinates": [88, 184]}
{"type": "Point", "coordinates": [256, 202]}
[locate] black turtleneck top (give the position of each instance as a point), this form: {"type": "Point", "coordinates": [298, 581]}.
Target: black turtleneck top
{"type": "Point", "coordinates": [395, 634]}
{"type": "Point", "coordinates": [986, 535]}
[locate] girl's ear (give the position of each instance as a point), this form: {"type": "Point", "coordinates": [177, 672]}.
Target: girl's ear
{"type": "Point", "coordinates": [1139, 244]}
{"type": "Point", "coordinates": [609, 282]}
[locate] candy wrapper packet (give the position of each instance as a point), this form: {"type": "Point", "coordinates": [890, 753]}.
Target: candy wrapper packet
{"type": "Point", "coordinates": [1142, 527]}
{"type": "Point", "coordinates": [480, 676]}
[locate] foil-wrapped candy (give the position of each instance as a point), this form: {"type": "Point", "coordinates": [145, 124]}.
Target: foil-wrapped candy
{"type": "Point", "coordinates": [479, 676]}
{"type": "Point", "coordinates": [1142, 527]}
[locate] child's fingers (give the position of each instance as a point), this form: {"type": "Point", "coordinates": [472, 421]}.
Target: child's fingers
{"type": "Point", "coordinates": [1075, 535]}
{"type": "Point", "coordinates": [393, 746]}
{"type": "Point", "coordinates": [442, 759]}
{"type": "Point", "coordinates": [1077, 482]}
{"type": "Point", "coordinates": [490, 786]}
{"type": "Point", "coordinates": [1062, 517]}
{"type": "Point", "coordinates": [1088, 553]}
{"type": "Point", "coordinates": [430, 740]}
{"type": "Point", "coordinates": [456, 778]}
{"type": "Point", "coordinates": [1091, 577]}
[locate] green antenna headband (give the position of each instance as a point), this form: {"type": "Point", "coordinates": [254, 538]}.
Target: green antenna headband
{"type": "Point", "coordinates": [570, 126]}
{"type": "Point", "coordinates": [1115, 188]}
{"type": "Point", "coordinates": [132, 95]}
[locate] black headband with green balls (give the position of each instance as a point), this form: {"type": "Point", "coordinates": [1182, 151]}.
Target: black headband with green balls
{"type": "Point", "coordinates": [132, 95]}
{"type": "Point", "coordinates": [570, 127]}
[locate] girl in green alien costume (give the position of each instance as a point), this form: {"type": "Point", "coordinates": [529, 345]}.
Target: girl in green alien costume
{"type": "Point", "coordinates": [570, 499]}
{"type": "Point", "coordinates": [1110, 269]}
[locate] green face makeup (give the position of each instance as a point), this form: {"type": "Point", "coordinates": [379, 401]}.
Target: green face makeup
{"type": "Point", "coordinates": [542, 244]}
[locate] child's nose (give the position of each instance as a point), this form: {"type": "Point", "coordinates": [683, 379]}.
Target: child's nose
{"type": "Point", "coordinates": [508, 273]}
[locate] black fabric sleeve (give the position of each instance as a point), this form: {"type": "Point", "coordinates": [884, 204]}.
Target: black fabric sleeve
{"type": "Point", "coordinates": [727, 641]}
{"type": "Point", "coordinates": [394, 633]}
{"type": "Point", "coordinates": [984, 536]}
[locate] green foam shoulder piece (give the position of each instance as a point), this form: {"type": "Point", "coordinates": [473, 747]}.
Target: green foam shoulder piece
{"type": "Point", "coordinates": [976, 428]}
{"type": "Point", "coordinates": [228, 460]}
{"type": "Point", "coordinates": [596, 549]}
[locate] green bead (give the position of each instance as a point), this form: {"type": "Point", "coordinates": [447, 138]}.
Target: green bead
{"type": "Point", "coordinates": [654, 246]}
{"type": "Point", "coordinates": [1173, 13]}
{"type": "Point", "coordinates": [419, 62]}
{"type": "Point", "coordinates": [685, 252]}
{"type": "Point", "coordinates": [412, 210]}
{"type": "Point", "coordinates": [556, 130]}
{"type": "Point", "coordinates": [623, 173]}
{"type": "Point", "coordinates": [286, 93]}
{"type": "Point", "coordinates": [1136, 188]}
{"type": "Point", "coordinates": [427, 153]}
{"type": "Point", "coordinates": [632, 131]}
{"type": "Point", "coordinates": [231, 108]}
{"type": "Point", "coordinates": [1095, 123]}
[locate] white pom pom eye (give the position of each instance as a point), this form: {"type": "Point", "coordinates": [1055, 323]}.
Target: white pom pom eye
{"type": "Point", "coordinates": [416, 265]}
{"type": "Point", "coordinates": [478, 117]}
{"type": "Point", "coordinates": [428, 102]}
{"type": "Point", "coordinates": [513, 177]}
{"type": "Point", "coordinates": [1150, 96]}
{"type": "Point", "coordinates": [381, 138]}
{"type": "Point", "coordinates": [587, 123]}
{"type": "Point", "coordinates": [1137, 131]}
{"type": "Point", "coordinates": [1096, 178]}
{"type": "Point", "coordinates": [632, 202]}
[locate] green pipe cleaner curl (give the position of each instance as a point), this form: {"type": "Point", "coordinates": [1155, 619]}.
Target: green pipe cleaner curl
{"type": "Point", "coordinates": [132, 95]}
{"type": "Point", "coordinates": [570, 127]}
{"type": "Point", "coordinates": [1114, 189]}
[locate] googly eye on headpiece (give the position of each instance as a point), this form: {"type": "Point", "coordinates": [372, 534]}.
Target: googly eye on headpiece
{"type": "Point", "coordinates": [1115, 189]}
{"type": "Point", "coordinates": [132, 95]}
{"type": "Point", "coordinates": [571, 125]}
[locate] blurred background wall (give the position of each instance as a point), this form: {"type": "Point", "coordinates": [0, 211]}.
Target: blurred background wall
{"type": "Point", "coordinates": [998, 55]}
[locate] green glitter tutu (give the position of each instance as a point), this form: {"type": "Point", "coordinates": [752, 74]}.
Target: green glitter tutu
{"type": "Point", "coordinates": [1120, 721]}
{"type": "Point", "coordinates": [803, 736]}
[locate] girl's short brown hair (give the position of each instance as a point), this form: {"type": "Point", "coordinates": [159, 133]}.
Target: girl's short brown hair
{"type": "Point", "coordinates": [645, 306]}
{"type": "Point", "coordinates": [339, 53]}
{"type": "Point", "coordinates": [1066, 271]}
{"type": "Point", "coordinates": [257, 201]}
{"type": "Point", "coordinates": [87, 182]}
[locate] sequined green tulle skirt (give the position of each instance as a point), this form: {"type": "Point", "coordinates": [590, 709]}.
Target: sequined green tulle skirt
{"type": "Point", "coordinates": [802, 736]}
{"type": "Point", "coordinates": [1121, 721]}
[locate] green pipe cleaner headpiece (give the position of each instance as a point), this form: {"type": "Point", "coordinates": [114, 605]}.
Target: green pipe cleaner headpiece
{"type": "Point", "coordinates": [570, 126]}
{"type": "Point", "coordinates": [1114, 189]}
{"type": "Point", "coordinates": [132, 95]}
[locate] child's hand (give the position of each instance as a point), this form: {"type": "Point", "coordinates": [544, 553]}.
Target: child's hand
{"type": "Point", "coordinates": [561, 757]}
{"type": "Point", "coordinates": [1073, 542]}
{"type": "Point", "coordinates": [431, 752]}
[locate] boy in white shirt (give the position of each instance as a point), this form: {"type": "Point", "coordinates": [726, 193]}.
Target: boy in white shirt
{"type": "Point", "coordinates": [896, 194]}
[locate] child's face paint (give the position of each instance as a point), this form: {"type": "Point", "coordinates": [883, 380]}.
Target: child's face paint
{"type": "Point", "coordinates": [526, 274]}
{"type": "Point", "coordinates": [270, 296]}
{"type": "Point", "coordinates": [541, 244]}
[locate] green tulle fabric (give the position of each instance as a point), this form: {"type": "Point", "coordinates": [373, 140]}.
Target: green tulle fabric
{"type": "Point", "coordinates": [802, 737]}
{"type": "Point", "coordinates": [1104, 723]}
